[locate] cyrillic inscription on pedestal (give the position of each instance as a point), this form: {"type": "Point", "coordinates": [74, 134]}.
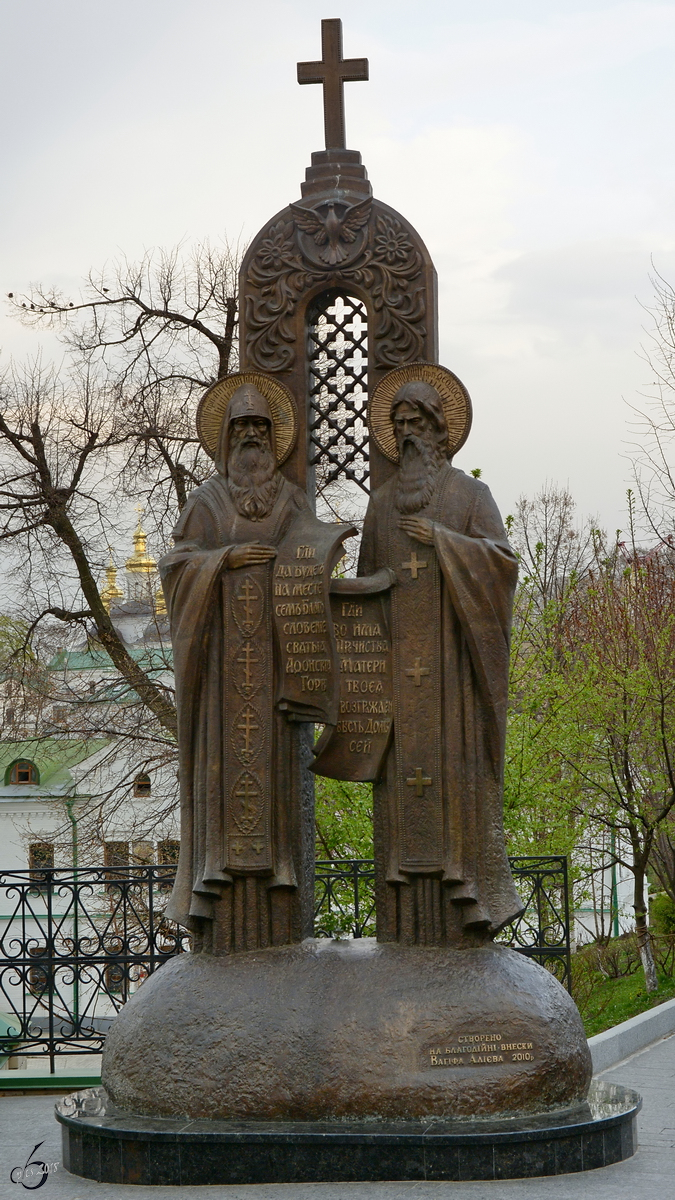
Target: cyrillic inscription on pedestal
{"type": "Point", "coordinates": [479, 1050]}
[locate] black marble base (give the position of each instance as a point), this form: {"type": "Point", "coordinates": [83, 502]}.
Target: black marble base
{"type": "Point", "coordinates": [102, 1142]}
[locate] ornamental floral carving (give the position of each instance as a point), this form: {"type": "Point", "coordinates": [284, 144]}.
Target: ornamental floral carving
{"type": "Point", "coordinates": [392, 245]}
{"type": "Point", "coordinates": [389, 270]}
{"type": "Point", "coordinates": [398, 295]}
{"type": "Point", "coordinates": [279, 278]}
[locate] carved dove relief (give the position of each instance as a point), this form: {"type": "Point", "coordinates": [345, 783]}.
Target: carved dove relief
{"type": "Point", "coordinates": [334, 234]}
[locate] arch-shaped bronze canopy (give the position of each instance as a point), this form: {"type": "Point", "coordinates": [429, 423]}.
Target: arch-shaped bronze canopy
{"type": "Point", "coordinates": [214, 404]}
{"type": "Point", "coordinates": [455, 398]}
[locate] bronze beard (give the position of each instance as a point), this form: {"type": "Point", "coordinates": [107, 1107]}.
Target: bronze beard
{"type": "Point", "coordinates": [252, 479]}
{"type": "Point", "coordinates": [420, 461]}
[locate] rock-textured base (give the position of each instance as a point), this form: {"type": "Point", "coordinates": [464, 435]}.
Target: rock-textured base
{"type": "Point", "coordinates": [331, 1030]}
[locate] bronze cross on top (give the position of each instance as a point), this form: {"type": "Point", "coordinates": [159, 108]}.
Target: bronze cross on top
{"type": "Point", "coordinates": [333, 71]}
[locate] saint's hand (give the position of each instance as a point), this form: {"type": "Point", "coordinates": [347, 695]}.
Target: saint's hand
{"type": "Point", "coordinates": [418, 528]}
{"type": "Point", "coordinates": [249, 555]}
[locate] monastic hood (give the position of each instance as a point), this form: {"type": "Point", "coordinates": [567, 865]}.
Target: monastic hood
{"type": "Point", "coordinates": [247, 401]}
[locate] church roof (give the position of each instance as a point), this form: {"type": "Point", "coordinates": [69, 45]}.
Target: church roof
{"type": "Point", "coordinates": [93, 658]}
{"type": "Point", "coordinates": [53, 757]}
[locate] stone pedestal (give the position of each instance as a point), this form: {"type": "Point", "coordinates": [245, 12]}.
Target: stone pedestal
{"type": "Point", "coordinates": [353, 1030]}
{"type": "Point", "coordinates": [102, 1142]}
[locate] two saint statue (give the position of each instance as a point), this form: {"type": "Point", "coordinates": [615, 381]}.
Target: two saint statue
{"type": "Point", "coordinates": [405, 666]}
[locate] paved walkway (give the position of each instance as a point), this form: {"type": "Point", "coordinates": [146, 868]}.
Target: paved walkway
{"type": "Point", "coordinates": [649, 1175]}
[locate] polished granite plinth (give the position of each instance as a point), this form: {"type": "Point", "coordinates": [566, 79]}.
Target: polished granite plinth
{"type": "Point", "coordinates": [102, 1142]}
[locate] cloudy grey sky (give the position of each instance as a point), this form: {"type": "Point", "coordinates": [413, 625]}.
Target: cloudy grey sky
{"type": "Point", "coordinates": [530, 142]}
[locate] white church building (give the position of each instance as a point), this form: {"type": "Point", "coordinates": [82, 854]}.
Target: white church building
{"type": "Point", "coordinates": [75, 785]}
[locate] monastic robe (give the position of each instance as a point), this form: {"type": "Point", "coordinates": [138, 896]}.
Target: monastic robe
{"type": "Point", "coordinates": [244, 838]}
{"type": "Point", "coordinates": [440, 854]}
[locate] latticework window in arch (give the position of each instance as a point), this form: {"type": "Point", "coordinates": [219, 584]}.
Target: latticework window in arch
{"type": "Point", "coordinates": [338, 389]}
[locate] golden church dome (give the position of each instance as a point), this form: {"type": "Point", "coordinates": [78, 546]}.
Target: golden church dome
{"type": "Point", "coordinates": [140, 562]}
{"type": "Point", "coordinates": [111, 592]}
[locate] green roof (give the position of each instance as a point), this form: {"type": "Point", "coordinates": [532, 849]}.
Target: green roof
{"type": "Point", "coordinates": [150, 658]}
{"type": "Point", "coordinates": [53, 757]}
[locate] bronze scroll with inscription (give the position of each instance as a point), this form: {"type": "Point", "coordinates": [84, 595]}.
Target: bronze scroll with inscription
{"type": "Point", "coordinates": [356, 747]}
{"type": "Point", "coordinates": [308, 686]}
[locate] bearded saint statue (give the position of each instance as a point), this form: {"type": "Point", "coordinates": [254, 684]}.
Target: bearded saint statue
{"type": "Point", "coordinates": [442, 873]}
{"type": "Point", "coordinates": [246, 862]}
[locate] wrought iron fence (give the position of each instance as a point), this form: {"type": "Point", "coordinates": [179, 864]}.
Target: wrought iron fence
{"type": "Point", "coordinates": [345, 898]}
{"type": "Point", "coordinates": [345, 895]}
{"type": "Point", "coordinates": [75, 944]}
{"type": "Point", "coordinates": [543, 930]}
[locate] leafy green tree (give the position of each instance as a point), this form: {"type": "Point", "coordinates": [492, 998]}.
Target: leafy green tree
{"type": "Point", "coordinates": [620, 662]}
{"type": "Point", "coordinates": [543, 808]}
{"type": "Point", "coordinates": [344, 819]}
{"type": "Point", "coordinates": [591, 730]}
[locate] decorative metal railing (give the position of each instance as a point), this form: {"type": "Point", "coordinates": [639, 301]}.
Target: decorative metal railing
{"type": "Point", "coordinates": [75, 944]}
{"type": "Point", "coordinates": [345, 898]}
{"type": "Point", "coordinates": [543, 930]}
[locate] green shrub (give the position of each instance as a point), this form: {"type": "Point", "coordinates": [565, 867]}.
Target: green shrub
{"type": "Point", "coordinates": [662, 914]}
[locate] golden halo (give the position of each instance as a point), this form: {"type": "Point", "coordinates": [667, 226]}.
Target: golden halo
{"type": "Point", "coordinates": [214, 403]}
{"type": "Point", "coordinates": [456, 405]}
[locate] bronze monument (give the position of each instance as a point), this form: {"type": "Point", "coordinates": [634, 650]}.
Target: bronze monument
{"type": "Point", "coordinates": [246, 862]}
{"type": "Point", "coordinates": [405, 666]}
{"type": "Point", "coordinates": [442, 872]}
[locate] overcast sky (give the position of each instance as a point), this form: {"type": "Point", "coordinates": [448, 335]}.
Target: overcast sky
{"type": "Point", "coordinates": [529, 141]}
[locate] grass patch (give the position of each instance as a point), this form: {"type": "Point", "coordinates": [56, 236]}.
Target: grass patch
{"type": "Point", "coordinates": [608, 982]}
{"type": "Point", "coordinates": [608, 1002]}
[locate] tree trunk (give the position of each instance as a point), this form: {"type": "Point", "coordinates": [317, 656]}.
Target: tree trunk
{"type": "Point", "coordinates": [642, 929]}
